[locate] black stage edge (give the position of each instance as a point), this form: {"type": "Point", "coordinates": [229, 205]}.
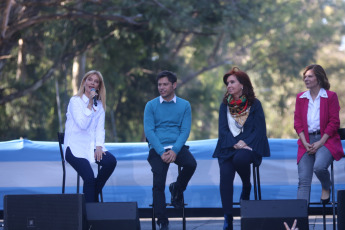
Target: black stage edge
{"type": "Point", "coordinates": [206, 212]}
{"type": "Point", "coordinates": [216, 212]}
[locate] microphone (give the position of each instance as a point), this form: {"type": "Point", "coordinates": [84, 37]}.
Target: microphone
{"type": "Point", "coordinates": [95, 97]}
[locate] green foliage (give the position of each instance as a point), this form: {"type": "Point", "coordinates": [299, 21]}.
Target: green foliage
{"type": "Point", "coordinates": [131, 41]}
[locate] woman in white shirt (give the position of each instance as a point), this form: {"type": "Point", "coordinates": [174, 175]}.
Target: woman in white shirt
{"type": "Point", "coordinates": [316, 122]}
{"type": "Point", "coordinates": [85, 134]}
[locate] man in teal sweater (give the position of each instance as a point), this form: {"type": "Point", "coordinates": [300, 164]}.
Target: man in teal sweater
{"type": "Point", "coordinates": [167, 123]}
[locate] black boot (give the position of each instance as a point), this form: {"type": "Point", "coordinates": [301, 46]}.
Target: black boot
{"type": "Point", "coordinates": [176, 196]}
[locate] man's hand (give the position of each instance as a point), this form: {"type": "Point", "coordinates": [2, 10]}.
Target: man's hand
{"type": "Point", "coordinates": [169, 156]}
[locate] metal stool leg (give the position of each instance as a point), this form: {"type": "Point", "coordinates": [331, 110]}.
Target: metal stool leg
{"type": "Point", "coordinates": [183, 216]}
{"type": "Point", "coordinates": [183, 208]}
{"type": "Point", "coordinates": [259, 185]}
{"type": "Point", "coordinates": [255, 185]}
{"type": "Point", "coordinates": [324, 216]}
{"type": "Point", "coordinates": [101, 193]}
{"type": "Point", "coordinates": [256, 179]}
{"type": "Point", "coordinates": [78, 182]}
{"type": "Point", "coordinates": [333, 197]}
{"type": "Point", "coordinates": [153, 218]}
{"type": "Point", "coordinates": [333, 203]}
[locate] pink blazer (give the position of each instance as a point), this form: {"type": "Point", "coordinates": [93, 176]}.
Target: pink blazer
{"type": "Point", "coordinates": [329, 123]}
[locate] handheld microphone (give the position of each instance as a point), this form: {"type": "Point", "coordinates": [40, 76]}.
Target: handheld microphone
{"type": "Point", "coordinates": [95, 97]}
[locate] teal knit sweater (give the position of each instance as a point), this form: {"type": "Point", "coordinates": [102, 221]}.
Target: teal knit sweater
{"type": "Point", "coordinates": [167, 123]}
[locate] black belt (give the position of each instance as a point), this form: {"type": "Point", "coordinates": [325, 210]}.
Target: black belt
{"type": "Point", "coordinates": [317, 132]}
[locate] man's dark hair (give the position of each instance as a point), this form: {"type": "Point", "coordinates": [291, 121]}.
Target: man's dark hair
{"type": "Point", "coordinates": [170, 75]}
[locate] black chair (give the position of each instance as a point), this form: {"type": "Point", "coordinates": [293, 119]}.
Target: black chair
{"type": "Point", "coordinates": [342, 137]}
{"type": "Point", "coordinates": [61, 138]}
{"type": "Point", "coordinates": [169, 204]}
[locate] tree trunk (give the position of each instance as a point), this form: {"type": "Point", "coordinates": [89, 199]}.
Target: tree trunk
{"type": "Point", "coordinates": [58, 104]}
{"type": "Point", "coordinates": [21, 61]}
{"type": "Point", "coordinates": [113, 124]}
{"type": "Point", "coordinates": [78, 71]}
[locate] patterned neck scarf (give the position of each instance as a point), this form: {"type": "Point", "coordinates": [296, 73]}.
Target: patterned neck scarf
{"type": "Point", "coordinates": [238, 109]}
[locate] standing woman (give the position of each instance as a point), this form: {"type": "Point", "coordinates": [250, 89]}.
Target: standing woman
{"type": "Point", "coordinates": [316, 123]}
{"type": "Point", "coordinates": [242, 138]}
{"type": "Point", "coordinates": [85, 134]}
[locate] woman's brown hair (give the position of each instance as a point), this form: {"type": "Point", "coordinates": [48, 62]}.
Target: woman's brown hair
{"type": "Point", "coordinates": [320, 74]}
{"type": "Point", "coordinates": [244, 79]}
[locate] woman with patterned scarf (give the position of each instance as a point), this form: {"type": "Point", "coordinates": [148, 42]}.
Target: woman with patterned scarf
{"type": "Point", "coordinates": [242, 138]}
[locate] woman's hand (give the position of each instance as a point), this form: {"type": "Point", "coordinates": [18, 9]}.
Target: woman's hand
{"type": "Point", "coordinates": [240, 145]}
{"type": "Point", "coordinates": [99, 153]}
{"type": "Point", "coordinates": [315, 146]}
{"type": "Point", "coordinates": [318, 144]}
{"type": "Point", "coordinates": [307, 146]}
{"type": "Point", "coordinates": [91, 96]}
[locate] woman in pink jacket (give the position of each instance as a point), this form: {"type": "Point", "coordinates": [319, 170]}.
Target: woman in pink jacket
{"type": "Point", "coordinates": [316, 123]}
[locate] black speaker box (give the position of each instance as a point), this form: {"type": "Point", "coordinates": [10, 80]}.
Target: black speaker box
{"type": "Point", "coordinates": [341, 209]}
{"type": "Point", "coordinates": [113, 216]}
{"type": "Point", "coordinates": [44, 211]}
{"type": "Point", "coordinates": [271, 214]}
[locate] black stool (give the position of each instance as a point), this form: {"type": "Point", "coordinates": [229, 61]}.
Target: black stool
{"type": "Point", "coordinates": [341, 133]}
{"type": "Point", "coordinates": [61, 139]}
{"type": "Point", "coordinates": [169, 204]}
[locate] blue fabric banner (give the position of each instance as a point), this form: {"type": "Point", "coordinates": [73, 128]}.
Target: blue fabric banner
{"type": "Point", "coordinates": [34, 167]}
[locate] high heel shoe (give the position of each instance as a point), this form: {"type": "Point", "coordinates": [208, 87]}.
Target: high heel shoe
{"type": "Point", "coordinates": [326, 201]}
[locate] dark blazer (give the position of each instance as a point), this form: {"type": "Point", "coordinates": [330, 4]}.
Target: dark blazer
{"type": "Point", "coordinates": [254, 134]}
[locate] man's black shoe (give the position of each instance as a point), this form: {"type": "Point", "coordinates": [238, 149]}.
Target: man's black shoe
{"type": "Point", "coordinates": [176, 196]}
{"type": "Point", "coordinates": [163, 226]}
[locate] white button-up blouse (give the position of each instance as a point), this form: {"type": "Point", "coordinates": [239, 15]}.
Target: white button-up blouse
{"type": "Point", "coordinates": [313, 116]}
{"type": "Point", "coordinates": [84, 129]}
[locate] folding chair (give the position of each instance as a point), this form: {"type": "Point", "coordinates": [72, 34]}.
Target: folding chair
{"type": "Point", "coordinates": [61, 138]}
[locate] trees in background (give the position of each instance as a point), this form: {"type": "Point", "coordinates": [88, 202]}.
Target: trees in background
{"type": "Point", "coordinates": [46, 46]}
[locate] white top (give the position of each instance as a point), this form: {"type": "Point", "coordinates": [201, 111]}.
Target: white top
{"type": "Point", "coordinates": [84, 129]}
{"type": "Point", "coordinates": [313, 116]}
{"type": "Point", "coordinates": [232, 124]}
{"type": "Point", "coordinates": [161, 99]}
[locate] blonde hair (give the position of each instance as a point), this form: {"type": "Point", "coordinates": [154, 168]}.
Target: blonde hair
{"type": "Point", "coordinates": [101, 87]}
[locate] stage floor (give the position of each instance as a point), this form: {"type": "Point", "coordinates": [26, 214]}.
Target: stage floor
{"type": "Point", "coordinates": [315, 223]}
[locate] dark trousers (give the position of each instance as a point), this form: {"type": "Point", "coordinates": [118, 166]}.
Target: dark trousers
{"type": "Point", "coordinates": [92, 186]}
{"type": "Point", "coordinates": [159, 169]}
{"type": "Point", "coordinates": [239, 163]}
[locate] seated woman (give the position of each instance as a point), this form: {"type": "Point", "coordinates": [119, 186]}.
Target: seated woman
{"type": "Point", "coordinates": [85, 134]}
{"type": "Point", "coordinates": [316, 123]}
{"type": "Point", "coordinates": [242, 138]}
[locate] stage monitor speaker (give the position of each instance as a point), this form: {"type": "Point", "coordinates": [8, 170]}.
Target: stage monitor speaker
{"type": "Point", "coordinates": [44, 211]}
{"type": "Point", "coordinates": [271, 214]}
{"type": "Point", "coordinates": [341, 209]}
{"type": "Point", "coordinates": [113, 216]}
